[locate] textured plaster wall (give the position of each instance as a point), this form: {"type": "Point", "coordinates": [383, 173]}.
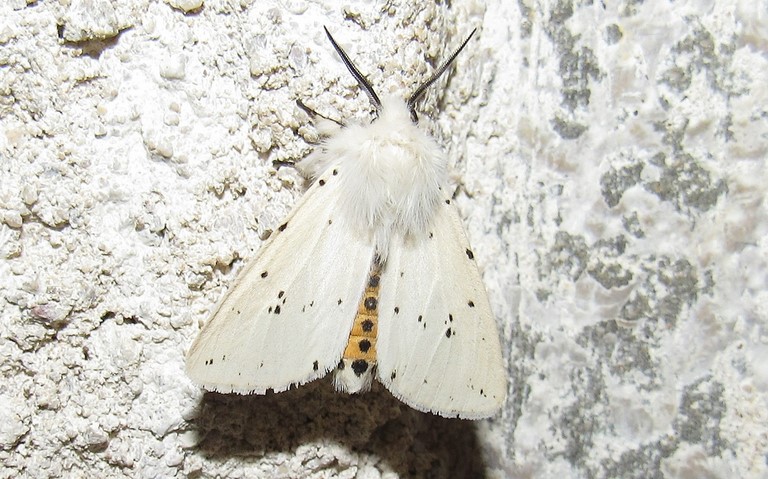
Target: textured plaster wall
{"type": "Point", "coordinates": [611, 164]}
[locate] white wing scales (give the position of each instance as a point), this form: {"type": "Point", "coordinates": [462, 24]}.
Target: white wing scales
{"type": "Point", "coordinates": [438, 346]}
{"type": "Point", "coordinates": [287, 317]}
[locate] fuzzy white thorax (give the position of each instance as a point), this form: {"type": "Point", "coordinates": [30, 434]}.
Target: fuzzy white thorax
{"type": "Point", "coordinates": [391, 174]}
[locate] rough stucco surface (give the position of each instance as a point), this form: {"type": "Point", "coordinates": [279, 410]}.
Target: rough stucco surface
{"type": "Point", "coordinates": [611, 158]}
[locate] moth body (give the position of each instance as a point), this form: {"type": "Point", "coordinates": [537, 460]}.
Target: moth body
{"type": "Point", "coordinates": [355, 372]}
{"type": "Point", "coordinates": [370, 275]}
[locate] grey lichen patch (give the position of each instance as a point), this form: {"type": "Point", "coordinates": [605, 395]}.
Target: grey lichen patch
{"type": "Point", "coordinates": [542, 295]}
{"type": "Point", "coordinates": [577, 64]}
{"type": "Point", "coordinates": [569, 255]}
{"type": "Point", "coordinates": [610, 275]}
{"type": "Point", "coordinates": [526, 18]}
{"type": "Point", "coordinates": [667, 287]}
{"type": "Point", "coordinates": [635, 308]}
{"type": "Point", "coordinates": [584, 417]}
{"type": "Point", "coordinates": [616, 181]}
{"type": "Point", "coordinates": [629, 8]}
{"type": "Point", "coordinates": [708, 283]}
{"type": "Point", "coordinates": [506, 221]}
{"type": "Point", "coordinates": [700, 52]}
{"type": "Point", "coordinates": [677, 78]}
{"type": "Point", "coordinates": [568, 130]}
{"type": "Point", "coordinates": [577, 68]}
{"type": "Point", "coordinates": [612, 247]}
{"type": "Point", "coordinates": [702, 408]}
{"type": "Point", "coordinates": [632, 225]}
{"type": "Point", "coordinates": [641, 463]}
{"type": "Point", "coordinates": [624, 351]}
{"type": "Point", "coordinates": [605, 267]}
{"type": "Point", "coordinates": [520, 370]}
{"type": "Point", "coordinates": [561, 12]}
{"type": "Point", "coordinates": [686, 184]}
{"type": "Point", "coordinates": [613, 34]}
{"type": "Point", "coordinates": [725, 128]}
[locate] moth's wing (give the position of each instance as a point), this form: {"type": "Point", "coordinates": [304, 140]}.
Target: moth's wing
{"type": "Point", "coordinates": [438, 345]}
{"type": "Point", "coordinates": [287, 317]}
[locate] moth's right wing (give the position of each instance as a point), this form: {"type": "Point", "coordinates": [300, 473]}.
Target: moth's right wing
{"type": "Point", "coordinates": [287, 317]}
{"type": "Point", "coordinates": [438, 348]}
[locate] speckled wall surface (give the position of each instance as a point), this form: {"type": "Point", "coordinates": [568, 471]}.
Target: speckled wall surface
{"type": "Point", "coordinates": [611, 164]}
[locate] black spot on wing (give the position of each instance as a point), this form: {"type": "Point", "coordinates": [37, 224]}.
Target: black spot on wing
{"type": "Point", "coordinates": [393, 375]}
{"type": "Point", "coordinates": [315, 366]}
{"type": "Point", "coordinates": [447, 202]}
{"type": "Point", "coordinates": [264, 274]}
{"type": "Point", "coordinates": [470, 254]}
{"type": "Point", "coordinates": [335, 172]}
{"type": "Point", "coordinates": [321, 182]}
{"type": "Point", "coordinates": [339, 302]}
{"type": "Point", "coordinates": [420, 317]}
{"type": "Point", "coordinates": [397, 310]}
{"type": "Point", "coordinates": [208, 362]}
{"type": "Point", "coordinates": [448, 333]}
{"type": "Point", "coordinates": [277, 309]}
{"type": "Point", "coordinates": [471, 304]}
{"type": "Point", "coordinates": [450, 317]}
{"type": "Point", "coordinates": [282, 227]}
{"type": "Point", "coordinates": [311, 304]}
{"type": "Point", "coordinates": [280, 294]}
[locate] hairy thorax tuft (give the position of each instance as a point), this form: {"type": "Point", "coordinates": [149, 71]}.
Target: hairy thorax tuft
{"type": "Point", "coordinates": [391, 173]}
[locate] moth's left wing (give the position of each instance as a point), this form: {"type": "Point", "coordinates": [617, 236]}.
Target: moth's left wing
{"type": "Point", "coordinates": [287, 317]}
{"type": "Point", "coordinates": [438, 345]}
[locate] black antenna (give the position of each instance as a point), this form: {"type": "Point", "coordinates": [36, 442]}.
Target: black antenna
{"type": "Point", "coordinates": [416, 96]}
{"type": "Point", "coordinates": [361, 80]}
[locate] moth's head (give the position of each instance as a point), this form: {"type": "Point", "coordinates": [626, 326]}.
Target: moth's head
{"type": "Point", "coordinates": [417, 95]}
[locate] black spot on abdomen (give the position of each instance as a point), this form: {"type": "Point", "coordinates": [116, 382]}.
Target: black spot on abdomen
{"type": "Point", "coordinates": [359, 366]}
{"type": "Point", "coordinates": [370, 303]}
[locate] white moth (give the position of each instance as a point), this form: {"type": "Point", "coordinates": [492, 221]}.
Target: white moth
{"type": "Point", "coordinates": [370, 274]}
